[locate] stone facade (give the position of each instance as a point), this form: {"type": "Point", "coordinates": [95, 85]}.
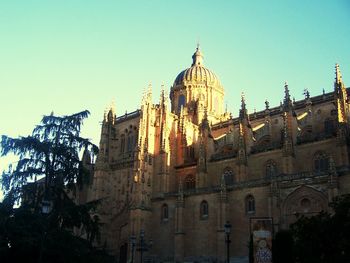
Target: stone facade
{"type": "Point", "coordinates": [180, 171]}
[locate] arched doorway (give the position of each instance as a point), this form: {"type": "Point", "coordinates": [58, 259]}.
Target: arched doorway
{"type": "Point", "coordinates": [305, 201]}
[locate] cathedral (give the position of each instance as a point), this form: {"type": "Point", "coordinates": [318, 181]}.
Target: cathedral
{"type": "Point", "coordinates": [175, 176]}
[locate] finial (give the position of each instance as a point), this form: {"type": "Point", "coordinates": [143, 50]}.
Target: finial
{"type": "Point", "coordinates": [306, 94]}
{"type": "Point", "coordinates": [243, 111]}
{"type": "Point", "coordinates": [242, 100]}
{"type": "Point", "coordinates": [286, 90]}
{"type": "Point", "coordinates": [112, 107]}
{"type": "Point", "coordinates": [149, 92]}
{"type": "Point", "coordinates": [267, 104]}
{"type": "Point", "coordinates": [105, 114]}
{"type": "Point", "coordinates": [287, 101]}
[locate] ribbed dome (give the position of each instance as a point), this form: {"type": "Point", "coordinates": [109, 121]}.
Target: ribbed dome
{"type": "Point", "coordinates": [197, 73]}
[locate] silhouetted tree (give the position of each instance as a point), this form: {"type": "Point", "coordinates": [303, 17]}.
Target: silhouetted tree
{"type": "Point", "coordinates": [283, 247]}
{"type": "Point", "coordinates": [324, 237]}
{"type": "Point", "coordinates": [49, 170]}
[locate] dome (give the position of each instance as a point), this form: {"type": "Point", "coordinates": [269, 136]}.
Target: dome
{"type": "Point", "coordinates": [197, 73]}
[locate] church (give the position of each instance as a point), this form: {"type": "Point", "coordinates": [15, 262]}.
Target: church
{"type": "Point", "coordinates": [173, 176]}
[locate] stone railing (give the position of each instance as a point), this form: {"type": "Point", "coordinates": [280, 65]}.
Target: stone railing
{"type": "Point", "coordinates": [280, 178]}
{"type": "Point", "coordinates": [265, 147]}
{"type": "Point", "coordinates": [316, 137]}
{"type": "Point", "coordinates": [126, 160]}
{"type": "Point", "coordinates": [223, 156]}
{"type": "Point", "coordinates": [128, 116]}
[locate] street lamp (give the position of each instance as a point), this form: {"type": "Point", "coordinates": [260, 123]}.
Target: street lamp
{"type": "Point", "coordinates": [46, 207]}
{"type": "Point", "coordinates": [143, 246]}
{"type": "Point", "coordinates": [133, 244]}
{"type": "Point", "coordinates": [227, 227]}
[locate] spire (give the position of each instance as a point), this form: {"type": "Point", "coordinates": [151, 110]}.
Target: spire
{"type": "Point", "coordinates": [341, 97]}
{"type": "Point", "coordinates": [243, 113]}
{"type": "Point", "coordinates": [287, 103]}
{"type": "Point", "coordinates": [306, 94]}
{"type": "Point", "coordinates": [162, 96]}
{"type": "Point", "coordinates": [149, 91]}
{"type": "Point", "coordinates": [110, 113]}
{"type": "Point", "coordinates": [197, 57]}
{"type": "Point", "coordinates": [86, 159]}
{"type": "Point", "coordinates": [338, 77]}
{"type": "Point", "coordinates": [105, 115]}
{"type": "Point", "coordinates": [147, 95]}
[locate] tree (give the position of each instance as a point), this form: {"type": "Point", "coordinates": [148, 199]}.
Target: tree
{"type": "Point", "coordinates": [283, 247]}
{"type": "Point", "coordinates": [324, 237]}
{"type": "Point", "coordinates": [49, 171]}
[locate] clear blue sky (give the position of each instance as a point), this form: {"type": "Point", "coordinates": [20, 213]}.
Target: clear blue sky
{"type": "Point", "coordinates": [66, 56]}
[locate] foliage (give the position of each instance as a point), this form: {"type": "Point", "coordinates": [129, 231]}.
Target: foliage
{"type": "Point", "coordinates": [49, 169]}
{"type": "Point", "coordinates": [26, 236]}
{"type": "Point", "coordinates": [324, 237]}
{"type": "Point", "coordinates": [51, 151]}
{"type": "Point", "coordinates": [283, 247]}
{"type": "Point", "coordinates": [251, 249]}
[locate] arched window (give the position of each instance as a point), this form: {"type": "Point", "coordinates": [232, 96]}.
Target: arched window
{"type": "Point", "coordinates": [122, 143]}
{"type": "Point", "coordinates": [189, 154]}
{"type": "Point", "coordinates": [271, 168]}
{"type": "Point", "coordinates": [306, 133]}
{"type": "Point", "coordinates": [204, 210]}
{"type": "Point", "coordinates": [305, 204]}
{"type": "Point", "coordinates": [181, 102]}
{"type": "Point", "coordinates": [165, 212]}
{"type": "Point", "coordinates": [250, 204]}
{"type": "Point", "coordinates": [190, 182]}
{"type": "Point", "coordinates": [329, 127]}
{"type": "Point", "coordinates": [130, 142]}
{"type": "Point", "coordinates": [228, 176]}
{"type": "Point", "coordinates": [321, 162]}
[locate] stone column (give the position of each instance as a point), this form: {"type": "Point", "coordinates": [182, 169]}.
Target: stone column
{"type": "Point", "coordinates": [179, 238]}
{"type": "Point", "coordinates": [221, 220]}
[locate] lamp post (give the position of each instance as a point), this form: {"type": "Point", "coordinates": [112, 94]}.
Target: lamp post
{"type": "Point", "coordinates": [133, 244]}
{"type": "Point", "coordinates": [227, 228]}
{"type": "Point", "coordinates": [46, 207]}
{"type": "Point", "coordinates": [143, 246]}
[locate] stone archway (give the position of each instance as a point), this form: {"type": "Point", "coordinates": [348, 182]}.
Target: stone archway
{"type": "Point", "coordinates": [305, 201]}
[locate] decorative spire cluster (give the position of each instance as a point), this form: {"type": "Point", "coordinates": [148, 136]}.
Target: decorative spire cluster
{"type": "Point", "coordinates": [338, 77]}
{"type": "Point", "coordinates": [287, 103]}
{"type": "Point", "coordinates": [243, 111]}
{"type": "Point", "coordinates": [340, 96]}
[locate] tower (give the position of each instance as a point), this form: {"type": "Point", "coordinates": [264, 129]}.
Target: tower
{"type": "Point", "coordinates": [197, 89]}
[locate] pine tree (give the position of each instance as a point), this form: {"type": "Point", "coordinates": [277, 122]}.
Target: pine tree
{"type": "Point", "coordinates": [49, 170]}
